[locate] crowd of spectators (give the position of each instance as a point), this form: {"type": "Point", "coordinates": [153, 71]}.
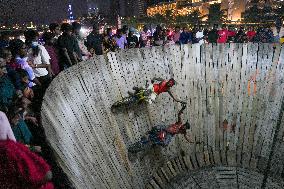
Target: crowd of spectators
{"type": "Point", "coordinates": [124, 38]}
{"type": "Point", "coordinates": [27, 68]}
{"type": "Point", "coordinates": [225, 34]}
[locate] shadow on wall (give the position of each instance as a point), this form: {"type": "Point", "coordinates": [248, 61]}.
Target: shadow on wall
{"type": "Point", "coordinates": [233, 91]}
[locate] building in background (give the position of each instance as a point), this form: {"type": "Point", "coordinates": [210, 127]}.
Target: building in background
{"type": "Point", "coordinates": [70, 13]}
{"type": "Point", "coordinates": [161, 8]}
{"type": "Point", "coordinates": [233, 8]}
{"type": "Point", "coordinates": [103, 6]}
{"type": "Point", "coordinates": [262, 3]}
{"type": "Point", "coordinates": [130, 8]}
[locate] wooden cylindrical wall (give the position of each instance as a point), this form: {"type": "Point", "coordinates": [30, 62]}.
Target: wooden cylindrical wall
{"type": "Point", "coordinates": [233, 91]}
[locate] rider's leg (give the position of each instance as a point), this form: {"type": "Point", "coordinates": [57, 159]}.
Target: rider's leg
{"type": "Point", "coordinates": [135, 88]}
{"type": "Point", "coordinates": [144, 139]}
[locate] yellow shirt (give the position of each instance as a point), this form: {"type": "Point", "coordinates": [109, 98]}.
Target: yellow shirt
{"type": "Point", "coordinates": [282, 40]}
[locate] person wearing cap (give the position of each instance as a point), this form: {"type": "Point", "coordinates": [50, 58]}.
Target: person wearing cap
{"type": "Point", "coordinates": [132, 40]}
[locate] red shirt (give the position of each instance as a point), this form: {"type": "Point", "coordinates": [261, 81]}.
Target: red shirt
{"type": "Point", "coordinates": [161, 87]}
{"type": "Point", "coordinates": [223, 36]}
{"type": "Point", "coordinates": [20, 168]}
{"type": "Point", "coordinates": [53, 59]}
{"type": "Point", "coordinates": [176, 128]}
{"type": "Point", "coordinates": [250, 35]}
{"type": "Point", "coordinates": [231, 33]}
{"type": "Point", "coordinates": [13, 65]}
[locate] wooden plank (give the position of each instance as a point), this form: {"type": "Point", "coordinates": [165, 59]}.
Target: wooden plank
{"type": "Point", "coordinates": [181, 162]}
{"type": "Point", "coordinates": [171, 168]}
{"type": "Point", "coordinates": [154, 184]}
{"type": "Point", "coordinates": [200, 159]}
{"type": "Point", "coordinates": [188, 162]}
{"type": "Point", "coordinates": [165, 173]}
{"type": "Point", "coordinates": [217, 159]}
{"type": "Point", "coordinates": [158, 180]}
{"type": "Point", "coordinates": [231, 155]}
{"type": "Point", "coordinates": [207, 158]}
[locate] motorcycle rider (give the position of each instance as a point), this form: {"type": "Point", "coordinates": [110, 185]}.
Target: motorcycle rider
{"type": "Point", "coordinates": [156, 88]}
{"type": "Point", "coordinates": [161, 135]}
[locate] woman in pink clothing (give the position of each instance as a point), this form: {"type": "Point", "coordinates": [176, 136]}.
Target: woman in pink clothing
{"type": "Point", "coordinates": [20, 168]}
{"type": "Point", "coordinates": [49, 46]}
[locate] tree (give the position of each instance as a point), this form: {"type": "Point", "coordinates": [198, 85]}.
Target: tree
{"type": "Point", "coordinates": [181, 19]}
{"type": "Point", "coordinates": [158, 19]}
{"type": "Point", "coordinates": [194, 18]}
{"type": "Point", "coordinates": [216, 15]}
{"type": "Point", "coordinates": [169, 17]}
{"type": "Point", "coordinates": [94, 18]}
{"type": "Point", "coordinates": [252, 14]}
{"type": "Point", "coordinates": [130, 21]}
{"type": "Point", "coordinates": [261, 12]}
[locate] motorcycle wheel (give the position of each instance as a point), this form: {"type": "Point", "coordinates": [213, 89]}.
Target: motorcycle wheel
{"type": "Point", "coordinates": [123, 104]}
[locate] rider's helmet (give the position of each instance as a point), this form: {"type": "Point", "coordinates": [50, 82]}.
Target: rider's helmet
{"type": "Point", "coordinates": [187, 125]}
{"type": "Point", "coordinates": [171, 82]}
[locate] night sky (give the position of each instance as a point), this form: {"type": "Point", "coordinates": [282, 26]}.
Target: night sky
{"type": "Point", "coordinates": [38, 11]}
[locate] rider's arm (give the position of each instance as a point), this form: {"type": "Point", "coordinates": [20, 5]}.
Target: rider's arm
{"type": "Point", "coordinates": [187, 138]}
{"type": "Point", "coordinates": [180, 113]}
{"type": "Point", "coordinates": [157, 79]}
{"type": "Point", "coordinates": [174, 97]}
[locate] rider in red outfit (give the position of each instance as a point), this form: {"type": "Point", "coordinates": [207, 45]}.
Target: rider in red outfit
{"type": "Point", "coordinates": [161, 87]}
{"type": "Point", "coordinates": [162, 135]}
{"type": "Point", "coordinates": [165, 135]}
{"type": "Point", "coordinates": [179, 127]}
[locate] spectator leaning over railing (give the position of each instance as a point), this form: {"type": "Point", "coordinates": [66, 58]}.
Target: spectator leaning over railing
{"type": "Point", "coordinates": [213, 34]}
{"type": "Point", "coordinates": [176, 35]}
{"type": "Point", "coordinates": [67, 47]}
{"type": "Point", "coordinates": [95, 41]}
{"type": "Point", "coordinates": [120, 39]}
{"type": "Point", "coordinates": [250, 34]}
{"type": "Point", "coordinates": [132, 40]}
{"type": "Point", "coordinates": [241, 36]}
{"type": "Point", "coordinates": [185, 36]}
{"type": "Point", "coordinates": [223, 34]}
{"type": "Point", "coordinates": [144, 40]}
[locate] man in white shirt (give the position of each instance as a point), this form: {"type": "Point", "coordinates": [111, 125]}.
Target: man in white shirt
{"type": "Point", "coordinates": [42, 58]}
{"type": "Point", "coordinates": [200, 36]}
{"type": "Point", "coordinates": [39, 60]}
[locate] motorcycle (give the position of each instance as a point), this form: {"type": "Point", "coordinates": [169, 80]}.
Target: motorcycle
{"type": "Point", "coordinates": [139, 97]}
{"type": "Point", "coordinates": [158, 136]}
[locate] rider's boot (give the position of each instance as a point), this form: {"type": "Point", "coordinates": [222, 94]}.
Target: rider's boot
{"type": "Point", "coordinates": [130, 93]}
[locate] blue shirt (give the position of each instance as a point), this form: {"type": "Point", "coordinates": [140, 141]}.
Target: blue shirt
{"type": "Point", "coordinates": [7, 91]}
{"type": "Point", "coordinates": [22, 132]}
{"type": "Point", "coordinates": [185, 37]}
